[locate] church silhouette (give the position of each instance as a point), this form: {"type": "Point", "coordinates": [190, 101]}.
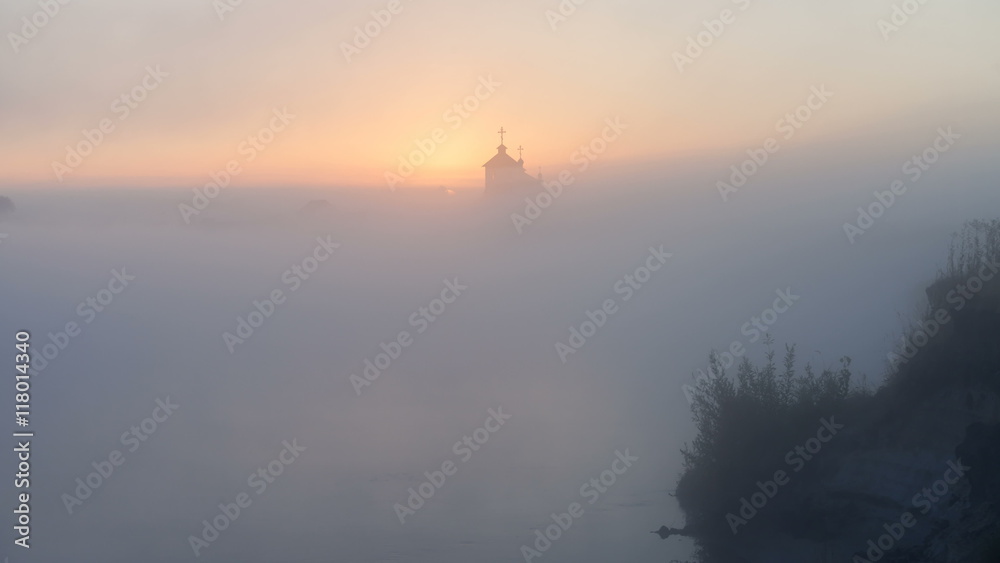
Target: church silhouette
{"type": "Point", "coordinates": [506, 175]}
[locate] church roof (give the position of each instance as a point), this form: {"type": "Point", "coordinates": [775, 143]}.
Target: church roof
{"type": "Point", "coordinates": [502, 159]}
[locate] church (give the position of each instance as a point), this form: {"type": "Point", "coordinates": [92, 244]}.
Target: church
{"type": "Point", "coordinates": [506, 175]}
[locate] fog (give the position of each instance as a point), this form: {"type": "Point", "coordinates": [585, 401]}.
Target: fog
{"type": "Point", "coordinates": [493, 347]}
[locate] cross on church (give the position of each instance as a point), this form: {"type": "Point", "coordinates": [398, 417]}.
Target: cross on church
{"type": "Point", "coordinates": [520, 149]}
{"type": "Point", "coordinates": [501, 131]}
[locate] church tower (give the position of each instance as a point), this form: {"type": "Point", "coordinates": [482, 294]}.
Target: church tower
{"type": "Point", "coordinates": [506, 175]}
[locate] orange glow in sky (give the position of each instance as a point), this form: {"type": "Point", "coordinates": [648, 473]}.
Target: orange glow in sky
{"type": "Point", "coordinates": [458, 70]}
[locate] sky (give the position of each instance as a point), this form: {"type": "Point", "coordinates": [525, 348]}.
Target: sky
{"type": "Point", "coordinates": [362, 104]}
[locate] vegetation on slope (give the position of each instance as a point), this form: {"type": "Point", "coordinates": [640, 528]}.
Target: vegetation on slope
{"type": "Point", "coordinates": [747, 420]}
